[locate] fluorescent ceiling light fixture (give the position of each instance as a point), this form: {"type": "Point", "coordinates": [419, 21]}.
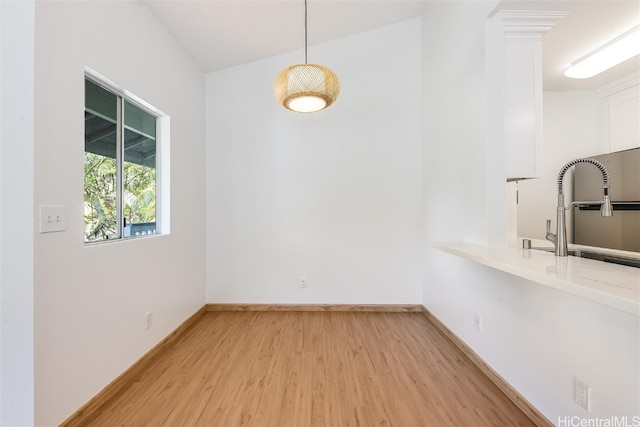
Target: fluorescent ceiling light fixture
{"type": "Point", "coordinates": [611, 54]}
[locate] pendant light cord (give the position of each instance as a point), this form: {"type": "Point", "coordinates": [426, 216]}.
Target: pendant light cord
{"type": "Point", "coordinates": [305, 31]}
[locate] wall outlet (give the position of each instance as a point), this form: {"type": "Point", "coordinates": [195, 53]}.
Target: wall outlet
{"type": "Point", "coordinates": [303, 282]}
{"type": "Point", "coordinates": [147, 320]}
{"type": "Point", "coordinates": [477, 322]}
{"type": "Point", "coordinates": [583, 394]}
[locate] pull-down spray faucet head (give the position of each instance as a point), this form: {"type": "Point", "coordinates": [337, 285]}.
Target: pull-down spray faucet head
{"type": "Point", "coordinates": [606, 209]}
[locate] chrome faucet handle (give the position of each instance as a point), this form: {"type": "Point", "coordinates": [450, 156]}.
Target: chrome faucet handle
{"type": "Point", "coordinates": [548, 226]}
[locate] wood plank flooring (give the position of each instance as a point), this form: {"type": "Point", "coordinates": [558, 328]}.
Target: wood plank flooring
{"type": "Point", "coordinates": [311, 369]}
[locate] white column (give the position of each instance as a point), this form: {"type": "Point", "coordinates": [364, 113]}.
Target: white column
{"type": "Point", "coordinates": [16, 212]}
{"type": "Point", "coordinates": [522, 33]}
{"type": "Point", "coordinates": [514, 113]}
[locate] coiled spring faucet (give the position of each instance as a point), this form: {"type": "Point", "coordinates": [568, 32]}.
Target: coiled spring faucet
{"type": "Point", "coordinates": [559, 239]}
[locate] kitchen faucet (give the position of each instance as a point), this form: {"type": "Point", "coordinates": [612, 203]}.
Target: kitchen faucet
{"type": "Point", "coordinates": [559, 239]}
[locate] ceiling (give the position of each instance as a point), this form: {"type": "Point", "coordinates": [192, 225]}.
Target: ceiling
{"type": "Point", "coordinates": [589, 25]}
{"type": "Point", "coordinates": [223, 33]}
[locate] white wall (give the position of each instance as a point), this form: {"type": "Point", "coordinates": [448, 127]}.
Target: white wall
{"type": "Point", "coordinates": [574, 126]}
{"type": "Point", "coordinates": [537, 338]}
{"type": "Point", "coordinates": [454, 120]}
{"type": "Point", "coordinates": [16, 200]}
{"type": "Point", "coordinates": [90, 301]}
{"type": "Point", "coordinates": [334, 196]}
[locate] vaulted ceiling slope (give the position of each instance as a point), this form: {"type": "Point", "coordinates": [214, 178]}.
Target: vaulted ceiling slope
{"type": "Point", "coordinates": [223, 33]}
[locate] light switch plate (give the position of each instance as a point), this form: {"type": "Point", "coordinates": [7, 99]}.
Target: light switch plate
{"type": "Point", "coordinates": [53, 218]}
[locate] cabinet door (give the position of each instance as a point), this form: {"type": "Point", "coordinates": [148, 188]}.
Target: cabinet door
{"type": "Point", "coordinates": [523, 108]}
{"type": "Point", "coordinates": [624, 119]}
{"type": "Point", "coordinates": [514, 67]}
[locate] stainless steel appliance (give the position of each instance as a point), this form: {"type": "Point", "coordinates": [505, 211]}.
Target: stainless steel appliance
{"type": "Point", "coordinates": [622, 231]}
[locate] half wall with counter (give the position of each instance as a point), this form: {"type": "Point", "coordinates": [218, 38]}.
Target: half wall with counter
{"type": "Point", "coordinates": [614, 285]}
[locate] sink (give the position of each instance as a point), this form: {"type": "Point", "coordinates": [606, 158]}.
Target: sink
{"type": "Point", "coordinates": [599, 256]}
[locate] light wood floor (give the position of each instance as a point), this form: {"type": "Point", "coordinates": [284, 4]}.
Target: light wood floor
{"type": "Point", "coordinates": [311, 369]}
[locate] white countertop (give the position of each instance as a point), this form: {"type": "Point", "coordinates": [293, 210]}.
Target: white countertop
{"type": "Point", "coordinates": [617, 286]}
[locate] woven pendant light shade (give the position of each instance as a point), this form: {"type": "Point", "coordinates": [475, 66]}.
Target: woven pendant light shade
{"type": "Point", "coordinates": [306, 88]}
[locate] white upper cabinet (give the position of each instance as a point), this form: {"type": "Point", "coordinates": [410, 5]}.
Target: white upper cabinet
{"type": "Point", "coordinates": [622, 106]}
{"type": "Point", "coordinates": [514, 82]}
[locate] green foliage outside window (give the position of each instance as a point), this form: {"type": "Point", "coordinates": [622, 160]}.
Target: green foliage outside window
{"type": "Point", "coordinates": [100, 206]}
